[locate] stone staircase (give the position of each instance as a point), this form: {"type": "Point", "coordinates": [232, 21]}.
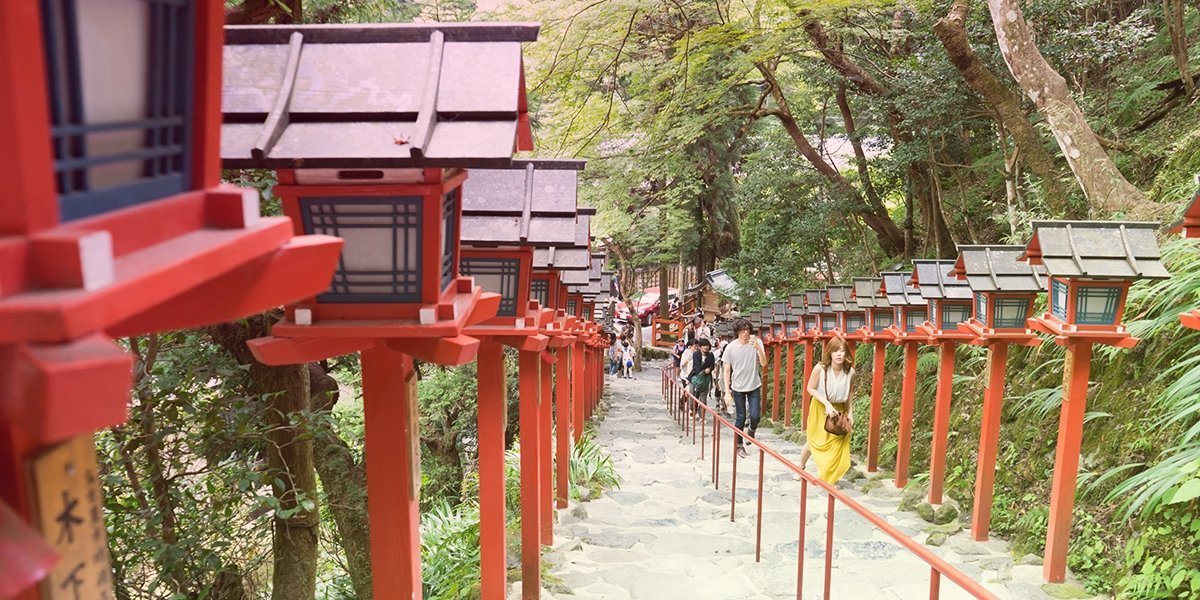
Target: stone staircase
{"type": "Point", "coordinates": [666, 533]}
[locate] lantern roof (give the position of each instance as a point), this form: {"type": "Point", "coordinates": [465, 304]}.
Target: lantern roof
{"type": "Point", "coordinates": [531, 203]}
{"type": "Point", "coordinates": [841, 299]}
{"type": "Point", "coordinates": [900, 290]}
{"type": "Point", "coordinates": [867, 293]}
{"type": "Point", "coordinates": [779, 310]}
{"type": "Point", "coordinates": [1096, 249]}
{"type": "Point", "coordinates": [767, 315]}
{"type": "Point", "coordinates": [935, 282]}
{"type": "Point", "coordinates": [996, 269]}
{"type": "Point", "coordinates": [815, 302]}
{"type": "Point", "coordinates": [563, 259]}
{"type": "Point", "coordinates": [374, 96]}
{"type": "Point", "coordinates": [755, 319]}
{"type": "Point", "coordinates": [796, 300]}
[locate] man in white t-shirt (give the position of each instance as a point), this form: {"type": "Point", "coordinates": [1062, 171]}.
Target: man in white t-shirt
{"type": "Point", "coordinates": [742, 363]}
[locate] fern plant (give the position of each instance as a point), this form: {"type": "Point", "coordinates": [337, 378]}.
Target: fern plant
{"type": "Point", "coordinates": [591, 467]}
{"type": "Point", "coordinates": [450, 551]}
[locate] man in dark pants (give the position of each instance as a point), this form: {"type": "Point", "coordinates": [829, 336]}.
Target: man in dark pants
{"type": "Point", "coordinates": [742, 364]}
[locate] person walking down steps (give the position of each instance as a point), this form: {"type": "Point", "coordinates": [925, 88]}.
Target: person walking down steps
{"type": "Point", "coordinates": [743, 361]}
{"type": "Point", "coordinates": [830, 387]}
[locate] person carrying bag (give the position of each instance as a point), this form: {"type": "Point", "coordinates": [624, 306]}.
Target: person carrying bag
{"type": "Point", "coordinates": [830, 414]}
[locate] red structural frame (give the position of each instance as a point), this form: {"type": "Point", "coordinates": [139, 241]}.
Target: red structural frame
{"type": "Point", "coordinates": [66, 289]}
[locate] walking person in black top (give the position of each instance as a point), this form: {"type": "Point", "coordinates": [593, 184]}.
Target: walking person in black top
{"type": "Point", "coordinates": [703, 366]}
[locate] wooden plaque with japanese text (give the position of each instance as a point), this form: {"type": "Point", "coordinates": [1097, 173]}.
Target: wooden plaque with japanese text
{"type": "Point", "coordinates": [70, 516]}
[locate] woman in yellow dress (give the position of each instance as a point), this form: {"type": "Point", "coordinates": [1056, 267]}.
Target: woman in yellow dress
{"type": "Point", "coordinates": [829, 387]}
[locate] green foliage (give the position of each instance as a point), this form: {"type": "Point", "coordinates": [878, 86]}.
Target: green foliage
{"type": "Point", "coordinates": [450, 551]}
{"type": "Point", "coordinates": [591, 467]}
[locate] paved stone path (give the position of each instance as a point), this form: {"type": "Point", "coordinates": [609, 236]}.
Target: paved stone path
{"type": "Point", "coordinates": [666, 533]}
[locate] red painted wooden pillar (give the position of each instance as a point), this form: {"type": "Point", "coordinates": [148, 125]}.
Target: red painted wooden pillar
{"type": "Point", "coordinates": [989, 441]}
{"type": "Point", "coordinates": [1066, 459]}
{"type": "Point", "coordinates": [876, 407]}
{"type": "Point", "coordinates": [493, 415]}
{"type": "Point", "coordinates": [562, 426]}
{"type": "Point", "coordinates": [775, 383]}
{"type": "Point", "coordinates": [578, 374]}
{"type": "Point", "coordinates": [529, 364]}
{"type": "Point", "coordinates": [545, 445]}
{"type": "Point", "coordinates": [789, 384]}
{"type": "Point", "coordinates": [908, 392]}
{"type": "Point", "coordinates": [393, 474]}
{"type": "Point", "coordinates": [941, 422]}
{"type": "Point", "coordinates": [808, 367]}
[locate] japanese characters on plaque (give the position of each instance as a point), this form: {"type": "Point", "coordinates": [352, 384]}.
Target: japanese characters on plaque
{"type": "Point", "coordinates": [70, 517]}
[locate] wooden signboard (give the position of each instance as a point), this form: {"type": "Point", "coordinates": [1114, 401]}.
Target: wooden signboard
{"type": "Point", "coordinates": [70, 516]}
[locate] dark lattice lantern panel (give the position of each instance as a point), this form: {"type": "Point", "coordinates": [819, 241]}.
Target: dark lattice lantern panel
{"type": "Point", "coordinates": [1004, 289]}
{"type": "Point", "coordinates": [121, 112]}
{"type": "Point", "coordinates": [877, 313]}
{"type": "Point", "coordinates": [1090, 266]}
{"type": "Point", "coordinates": [507, 273]}
{"type": "Point", "coordinates": [949, 300]}
{"type": "Point", "coordinates": [813, 305]}
{"type": "Point", "coordinates": [909, 309]}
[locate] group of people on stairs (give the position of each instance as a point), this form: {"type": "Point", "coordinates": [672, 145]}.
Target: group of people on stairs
{"type": "Point", "coordinates": [734, 368]}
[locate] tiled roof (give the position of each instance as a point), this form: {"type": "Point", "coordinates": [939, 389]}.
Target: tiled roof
{"type": "Point", "coordinates": [996, 269]}
{"type": "Point", "coordinates": [934, 280]}
{"type": "Point", "coordinates": [374, 96]}
{"type": "Point", "coordinates": [1097, 249]}
{"type": "Point", "coordinates": [867, 294]}
{"type": "Point", "coordinates": [899, 289]}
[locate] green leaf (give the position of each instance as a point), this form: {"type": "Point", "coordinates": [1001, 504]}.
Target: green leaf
{"type": "Point", "coordinates": [1188, 491]}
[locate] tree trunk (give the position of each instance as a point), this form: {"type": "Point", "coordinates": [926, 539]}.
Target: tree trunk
{"type": "Point", "coordinates": [1173, 13]}
{"type": "Point", "coordinates": [875, 217]}
{"type": "Point", "coordinates": [1102, 183]}
{"type": "Point", "coordinates": [344, 481]}
{"type": "Point", "coordinates": [952, 33]}
{"type": "Point", "coordinates": [289, 456]}
{"type": "Point", "coordinates": [860, 157]}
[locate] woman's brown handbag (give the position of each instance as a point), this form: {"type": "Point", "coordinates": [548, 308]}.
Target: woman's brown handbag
{"type": "Point", "coordinates": [838, 424]}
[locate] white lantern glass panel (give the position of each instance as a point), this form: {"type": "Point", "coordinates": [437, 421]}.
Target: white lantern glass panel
{"type": "Point", "coordinates": [882, 319]}
{"type": "Point", "coordinates": [854, 322]}
{"type": "Point", "coordinates": [913, 318]}
{"type": "Point", "coordinates": [980, 307]}
{"type": "Point", "coordinates": [497, 275]}
{"type": "Point", "coordinates": [1010, 313]}
{"type": "Point", "coordinates": [1058, 299]}
{"type": "Point", "coordinates": [1097, 305]}
{"type": "Point", "coordinates": [380, 260]}
{"type": "Point", "coordinates": [953, 314]}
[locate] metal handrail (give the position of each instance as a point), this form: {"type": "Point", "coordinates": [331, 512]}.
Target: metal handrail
{"type": "Point", "coordinates": [676, 396]}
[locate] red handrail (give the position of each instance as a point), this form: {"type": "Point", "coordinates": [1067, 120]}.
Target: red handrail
{"type": "Point", "coordinates": [678, 401]}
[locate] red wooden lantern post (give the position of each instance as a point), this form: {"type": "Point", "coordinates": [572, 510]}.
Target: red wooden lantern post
{"type": "Point", "coordinates": [383, 171]}
{"type": "Point", "coordinates": [1189, 227]}
{"type": "Point", "coordinates": [104, 236]}
{"type": "Point", "coordinates": [1091, 266]}
{"type": "Point", "coordinates": [507, 213]}
{"type": "Point", "coordinates": [1004, 290]}
{"type": "Point", "coordinates": [779, 340]}
{"type": "Point", "coordinates": [813, 321]}
{"type": "Point", "coordinates": [949, 303]}
{"type": "Point", "coordinates": [909, 307]}
{"type": "Point", "coordinates": [850, 316]}
{"type": "Point", "coordinates": [877, 318]}
{"type": "Point", "coordinates": [795, 334]}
